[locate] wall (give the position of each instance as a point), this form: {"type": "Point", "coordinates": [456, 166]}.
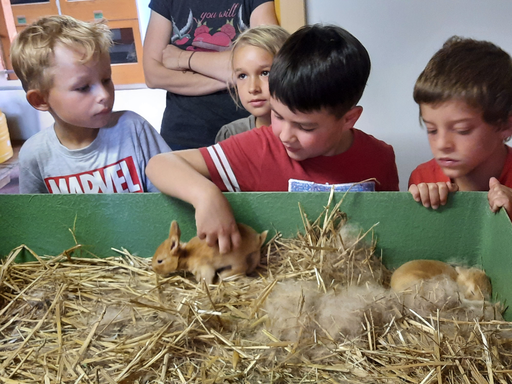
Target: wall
{"type": "Point", "coordinates": [144, 13]}
{"type": "Point", "coordinates": [23, 120]}
{"type": "Point", "coordinates": [401, 36]}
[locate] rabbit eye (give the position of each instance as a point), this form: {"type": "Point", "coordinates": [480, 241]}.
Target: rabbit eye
{"type": "Point", "coordinates": [159, 261]}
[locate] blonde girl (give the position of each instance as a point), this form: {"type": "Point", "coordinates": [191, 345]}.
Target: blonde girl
{"type": "Point", "coordinates": [251, 59]}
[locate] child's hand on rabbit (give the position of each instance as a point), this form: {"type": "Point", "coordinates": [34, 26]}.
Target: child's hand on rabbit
{"type": "Point", "coordinates": [207, 262]}
{"type": "Point", "coordinates": [215, 222]}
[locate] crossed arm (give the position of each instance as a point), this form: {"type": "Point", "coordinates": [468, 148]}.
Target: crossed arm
{"type": "Point", "coordinates": [167, 66]}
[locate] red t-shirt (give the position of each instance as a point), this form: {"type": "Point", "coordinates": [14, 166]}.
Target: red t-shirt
{"type": "Point", "coordinates": [430, 172]}
{"type": "Point", "coordinates": [257, 161]}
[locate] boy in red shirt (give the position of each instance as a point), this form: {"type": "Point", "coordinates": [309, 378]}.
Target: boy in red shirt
{"type": "Point", "coordinates": [465, 99]}
{"type": "Point", "coordinates": [315, 82]}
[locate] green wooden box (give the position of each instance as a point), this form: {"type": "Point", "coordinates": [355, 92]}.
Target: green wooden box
{"type": "Point", "coordinates": [465, 231]}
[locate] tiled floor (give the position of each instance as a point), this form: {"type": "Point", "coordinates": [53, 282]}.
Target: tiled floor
{"type": "Point", "coordinates": [9, 172]}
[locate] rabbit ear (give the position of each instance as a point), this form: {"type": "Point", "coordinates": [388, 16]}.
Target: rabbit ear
{"type": "Point", "coordinates": [174, 236]}
{"type": "Point", "coordinates": [175, 231]}
{"type": "Point", "coordinates": [263, 237]}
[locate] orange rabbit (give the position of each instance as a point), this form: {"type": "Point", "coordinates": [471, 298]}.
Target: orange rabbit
{"type": "Point", "coordinates": [206, 262]}
{"type": "Point", "coordinates": [473, 282]}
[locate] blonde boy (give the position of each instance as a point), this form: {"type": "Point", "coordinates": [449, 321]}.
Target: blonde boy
{"type": "Point", "coordinates": [465, 99]}
{"type": "Point", "coordinates": [315, 82]}
{"type": "Point", "coordinates": [64, 66]}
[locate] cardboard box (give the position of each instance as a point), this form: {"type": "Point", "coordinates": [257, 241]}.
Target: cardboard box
{"type": "Point", "coordinates": [465, 231]}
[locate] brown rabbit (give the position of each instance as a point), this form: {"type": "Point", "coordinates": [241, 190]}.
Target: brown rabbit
{"type": "Point", "coordinates": [206, 262]}
{"type": "Point", "coordinates": [473, 283]}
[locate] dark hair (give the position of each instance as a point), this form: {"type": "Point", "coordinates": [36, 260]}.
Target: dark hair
{"type": "Point", "coordinates": [476, 72]}
{"type": "Point", "coordinates": [320, 67]}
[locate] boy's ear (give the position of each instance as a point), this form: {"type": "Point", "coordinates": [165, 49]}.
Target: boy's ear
{"type": "Point", "coordinates": [37, 99]}
{"type": "Point", "coordinates": [350, 118]}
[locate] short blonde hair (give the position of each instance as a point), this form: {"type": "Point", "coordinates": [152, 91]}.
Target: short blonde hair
{"type": "Point", "coordinates": [270, 38]}
{"type": "Point", "coordinates": [32, 49]}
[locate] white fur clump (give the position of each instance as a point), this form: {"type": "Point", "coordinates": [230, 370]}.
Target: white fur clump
{"type": "Point", "coordinates": [299, 310]}
{"type": "Point", "coordinates": [291, 308]}
{"type": "Point", "coordinates": [346, 312]}
{"type": "Point", "coordinates": [351, 260]}
{"type": "Point", "coordinates": [351, 235]}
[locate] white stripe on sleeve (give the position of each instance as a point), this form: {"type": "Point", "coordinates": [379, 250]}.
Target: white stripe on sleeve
{"type": "Point", "coordinates": [222, 165]}
{"type": "Point", "coordinates": [227, 167]}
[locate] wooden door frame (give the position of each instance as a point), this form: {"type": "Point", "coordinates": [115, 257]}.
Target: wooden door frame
{"type": "Point", "coordinates": [7, 33]}
{"type": "Point", "coordinates": [291, 14]}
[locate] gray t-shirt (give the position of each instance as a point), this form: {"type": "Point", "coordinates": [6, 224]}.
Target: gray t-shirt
{"type": "Point", "coordinates": [113, 163]}
{"type": "Point", "coordinates": [237, 126]}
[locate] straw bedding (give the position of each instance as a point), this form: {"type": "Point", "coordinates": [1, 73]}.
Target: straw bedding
{"type": "Point", "coordinates": [317, 310]}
